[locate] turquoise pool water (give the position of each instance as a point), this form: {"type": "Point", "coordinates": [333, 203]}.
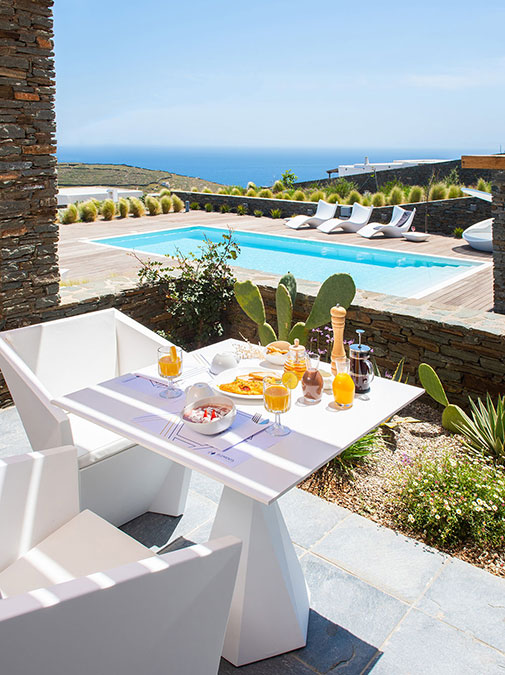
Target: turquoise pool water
{"type": "Point", "coordinates": [392, 272]}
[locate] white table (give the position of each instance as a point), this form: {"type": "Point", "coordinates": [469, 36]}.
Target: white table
{"type": "Point", "coordinates": [270, 606]}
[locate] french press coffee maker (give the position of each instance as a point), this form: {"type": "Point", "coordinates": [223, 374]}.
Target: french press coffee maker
{"type": "Point", "coordinates": [361, 368]}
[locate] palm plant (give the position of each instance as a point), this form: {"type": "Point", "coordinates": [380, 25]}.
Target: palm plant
{"type": "Point", "coordinates": [484, 431]}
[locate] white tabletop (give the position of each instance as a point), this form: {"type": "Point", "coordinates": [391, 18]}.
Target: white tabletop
{"type": "Point", "coordinates": [318, 433]}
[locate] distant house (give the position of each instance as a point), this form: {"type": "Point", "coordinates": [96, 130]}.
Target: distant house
{"type": "Point", "coordinates": [345, 170]}
{"type": "Point", "coordinates": [71, 195]}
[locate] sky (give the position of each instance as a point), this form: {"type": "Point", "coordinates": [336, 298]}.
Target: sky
{"type": "Point", "coordinates": [282, 73]}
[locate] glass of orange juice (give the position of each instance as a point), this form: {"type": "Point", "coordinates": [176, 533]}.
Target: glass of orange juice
{"type": "Point", "coordinates": [170, 367]}
{"type": "Point", "coordinates": [343, 385]}
{"type": "Point", "coordinates": [277, 400]}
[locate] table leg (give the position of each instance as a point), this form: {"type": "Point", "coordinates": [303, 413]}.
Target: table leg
{"type": "Point", "coordinates": [270, 606]}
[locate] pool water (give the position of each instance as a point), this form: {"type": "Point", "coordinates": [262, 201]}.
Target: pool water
{"type": "Point", "coordinates": [383, 271]}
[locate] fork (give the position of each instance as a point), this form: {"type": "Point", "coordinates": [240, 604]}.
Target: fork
{"type": "Point", "coordinates": [256, 418]}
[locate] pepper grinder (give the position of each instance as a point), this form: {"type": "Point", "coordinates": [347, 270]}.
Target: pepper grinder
{"type": "Point", "coordinates": [338, 315]}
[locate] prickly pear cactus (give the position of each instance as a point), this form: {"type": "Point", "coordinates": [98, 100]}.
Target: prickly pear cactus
{"type": "Point", "coordinates": [339, 289]}
{"type": "Point", "coordinates": [289, 281]}
{"type": "Point", "coordinates": [266, 333]}
{"type": "Point", "coordinates": [453, 417]}
{"type": "Point", "coordinates": [249, 298]}
{"type": "Point", "coordinates": [284, 307]}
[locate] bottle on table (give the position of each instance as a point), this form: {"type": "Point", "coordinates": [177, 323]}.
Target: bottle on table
{"type": "Point", "coordinates": [361, 368]}
{"type": "Point", "coordinates": [312, 382]}
{"type": "Point", "coordinates": [296, 361]}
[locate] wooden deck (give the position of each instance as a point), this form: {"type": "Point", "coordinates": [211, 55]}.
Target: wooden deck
{"type": "Point", "coordinates": [86, 261]}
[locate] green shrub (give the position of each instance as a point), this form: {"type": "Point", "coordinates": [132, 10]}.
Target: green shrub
{"type": "Point", "coordinates": [258, 213]}
{"type": "Point", "coordinates": [194, 189]}
{"type": "Point", "coordinates": [452, 178]}
{"type": "Point", "coordinates": [316, 196]}
{"type": "Point", "coordinates": [251, 185]}
{"type": "Point", "coordinates": [366, 199]}
{"type": "Point", "coordinates": [166, 204]}
{"type": "Point", "coordinates": [333, 198]}
{"type": "Point", "coordinates": [278, 186]}
{"type": "Point", "coordinates": [396, 196]}
{"type": "Point", "coordinates": [265, 193]}
{"type": "Point", "coordinates": [194, 206]}
{"type": "Point", "coordinates": [288, 178]}
{"type": "Point", "coordinates": [137, 208]}
{"type": "Point", "coordinates": [438, 191]}
{"type": "Point", "coordinates": [483, 185]}
{"type": "Point", "coordinates": [251, 192]}
{"type": "Point", "coordinates": [108, 209]}
{"type": "Point", "coordinates": [458, 232]}
{"type": "Point", "coordinates": [208, 207]}
{"type": "Point", "coordinates": [207, 190]}
{"type": "Point", "coordinates": [454, 192]}
{"type": "Point", "coordinates": [298, 196]}
{"type": "Point", "coordinates": [276, 213]}
{"type": "Point", "coordinates": [416, 194]}
{"type": "Point", "coordinates": [378, 199]}
{"type": "Point", "coordinates": [242, 209]}
{"type": "Point", "coordinates": [70, 215]}
{"type": "Point", "coordinates": [452, 501]}
{"type": "Point", "coordinates": [222, 191]}
{"type": "Point", "coordinates": [343, 187]}
{"type": "Point", "coordinates": [88, 212]}
{"type": "Point", "coordinates": [225, 208]}
{"type": "Point", "coordinates": [484, 430]}
{"type": "Point", "coordinates": [98, 204]}
{"type": "Point", "coordinates": [236, 191]}
{"type": "Point", "coordinates": [354, 196]}
{"type": "Point", "coordinates": [177, 204]}
{"type": "Point", "coordinates": [153, 206]}
{"type": "Point", "coordinates": [389, 185]}
{"type": "Point", "coordinates": [356, 454]}
{"type": "Point", "coordinates": [124, 208]}
{"type": "Point", "coordinates": [165, 193]}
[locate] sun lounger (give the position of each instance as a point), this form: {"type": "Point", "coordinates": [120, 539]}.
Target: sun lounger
{"type": "Point", "coordinates": [360, 215]}
{"type": "Point", "coordinates": [323, 213]}
{"type": "Point", "coordinates": [400, 222]}
{"type": "Point", "coordinates": [480, 235]}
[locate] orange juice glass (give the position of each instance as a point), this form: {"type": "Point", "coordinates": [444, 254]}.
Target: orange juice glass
{"type": "Point", "coordinates": [169, 367]}
{"type": "Point", "coordinates": [343, 385]}
{"type": "Point", "coordinates": [277, 400]}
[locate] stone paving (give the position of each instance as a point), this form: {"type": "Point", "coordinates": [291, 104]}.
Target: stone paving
{"type": "Point", "coordinates": [381, 602]}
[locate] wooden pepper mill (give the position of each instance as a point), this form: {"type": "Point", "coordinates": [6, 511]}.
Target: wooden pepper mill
{"type": "Point", "coordinates": [338, 315]}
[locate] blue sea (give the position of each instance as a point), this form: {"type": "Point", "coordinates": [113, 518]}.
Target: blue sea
{"type": "Point", "coordinates": [237, 166]}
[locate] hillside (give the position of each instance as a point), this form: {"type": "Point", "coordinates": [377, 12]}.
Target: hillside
{"type": "Point", "coordinates": [72, 174]}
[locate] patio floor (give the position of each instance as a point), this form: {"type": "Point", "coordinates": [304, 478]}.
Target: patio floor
{"type": "Point", "coordinates": [381, 602]}
{"type": "Point", "coordinates": [107, 270]}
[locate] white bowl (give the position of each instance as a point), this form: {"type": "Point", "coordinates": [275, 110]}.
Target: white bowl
{"type": "Point", "coordinates": [276, 358]}
{"type": "Point", "coordinates": [217, 425]}
{"type": "Point", "coordinates": [223, 361]}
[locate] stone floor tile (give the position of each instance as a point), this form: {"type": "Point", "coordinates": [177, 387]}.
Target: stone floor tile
{"type": "Point", "coordinates": [348, 602]}
{"type": "Point", "coordinates": [308, 517]}
{"type": "Point", "coordinates": [425, 646]}
{"type": "Point", "coordinates": [287, 664]}
{"type": "Point", "coordinates": [393, 562]}
{"type": "Point", "coordinates": [332, 649]}
{"type": "Point", "coordinates": [471, 599]}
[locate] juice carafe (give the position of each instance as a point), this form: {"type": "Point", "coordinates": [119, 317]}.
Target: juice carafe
{"type": "Point", "coordinates": [297, 360]}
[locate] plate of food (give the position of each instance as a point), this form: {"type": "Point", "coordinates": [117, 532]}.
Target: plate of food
{"type": "Point", "coordinates": [277, 352]}
{"type": "Point", "coordinates": [244, 383]}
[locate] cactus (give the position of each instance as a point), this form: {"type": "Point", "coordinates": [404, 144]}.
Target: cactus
{"type": "Point", "coordinates": [337, 289]}
{"type": "Point", "coordinates": [452, 416]}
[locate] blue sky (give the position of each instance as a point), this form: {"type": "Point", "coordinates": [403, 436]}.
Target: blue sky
{"type": "Point", "coordinates": [281, 73]}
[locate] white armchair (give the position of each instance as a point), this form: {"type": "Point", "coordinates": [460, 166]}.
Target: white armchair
{"type": "Point", "coordinates": [119, 480]}
{"type": "Point", "coordinates": [80, 596]}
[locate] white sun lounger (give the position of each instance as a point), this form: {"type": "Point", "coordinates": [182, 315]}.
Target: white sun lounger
{"type": "Point", "coordinates": [480, 235]}
{"type": "Point", "coordinates": [400, 222]}
{"type": "Point", "coordinates": [360, 215]}
{"type": "Point", "coordinates": [323, 213]}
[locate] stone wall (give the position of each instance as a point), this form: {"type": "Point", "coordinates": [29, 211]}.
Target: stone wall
{"type": "Point", "coordinates": [29, 272]}
{"type": "Point", "coordinates": [443, 215]}
{"type": "Point", "coordinates": [467, 350]}
{"type": "Point", "coordinates": [498, 212]}
{"type": "Point", "coordinates": [412, 175]}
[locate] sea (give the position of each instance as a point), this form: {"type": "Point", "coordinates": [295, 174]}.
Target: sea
{"type": "Point", "coordinates": [238, 166]}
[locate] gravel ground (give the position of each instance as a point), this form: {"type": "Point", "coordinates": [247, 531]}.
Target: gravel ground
{"type": "Point", "coordinates": [368, 491]}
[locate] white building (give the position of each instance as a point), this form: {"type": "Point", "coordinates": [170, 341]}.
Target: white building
{"type": "Point", "coordinates": [71, 195]}
{"type": "Point", "coordinates": [345, 170]}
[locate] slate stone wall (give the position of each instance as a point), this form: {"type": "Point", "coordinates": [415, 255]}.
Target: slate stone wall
{"type": "Point", "coordinates": [498, 212]}
{"type": "Point", "coordinates": [443, 215]}
{"type": "Point", "coordinates": [29, 273]}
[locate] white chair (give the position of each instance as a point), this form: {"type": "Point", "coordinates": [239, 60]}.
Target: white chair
{"type": "Point", "coordinates": [401, 221]}
{"type": "Point", "coordinates": [360, 215]}
{"type": "Point", "coordinates": [81, 597]}
{"type": "Point", "coordinates": [119, 480]}
{"type": "Point", "coordinates": [324, 212]}
{"type": "Point", "coordinates": [480, 235]}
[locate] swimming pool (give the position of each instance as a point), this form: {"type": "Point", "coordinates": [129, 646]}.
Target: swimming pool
{"type": "Point", "coordinates": [409, 275]}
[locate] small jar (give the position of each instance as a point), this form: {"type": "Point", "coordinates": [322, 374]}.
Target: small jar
{"type": "Point", "coordinates": [296, 361]}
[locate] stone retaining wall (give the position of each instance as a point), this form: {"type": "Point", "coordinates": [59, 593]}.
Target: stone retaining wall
{"type": "Point", "coordinates": [29, 272]}
{"type": "Point", "coordinates": [498, 212]}
{"type": "Point", "coordinates": [443, 215]}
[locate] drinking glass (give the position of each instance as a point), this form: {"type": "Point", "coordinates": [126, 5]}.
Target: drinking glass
{"type": "Point", "coordinates": [277, 400]}
{"type": "Point", "coordinates": [170, 367]}
{"type": "Point", "coordinates": [343, 385]}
